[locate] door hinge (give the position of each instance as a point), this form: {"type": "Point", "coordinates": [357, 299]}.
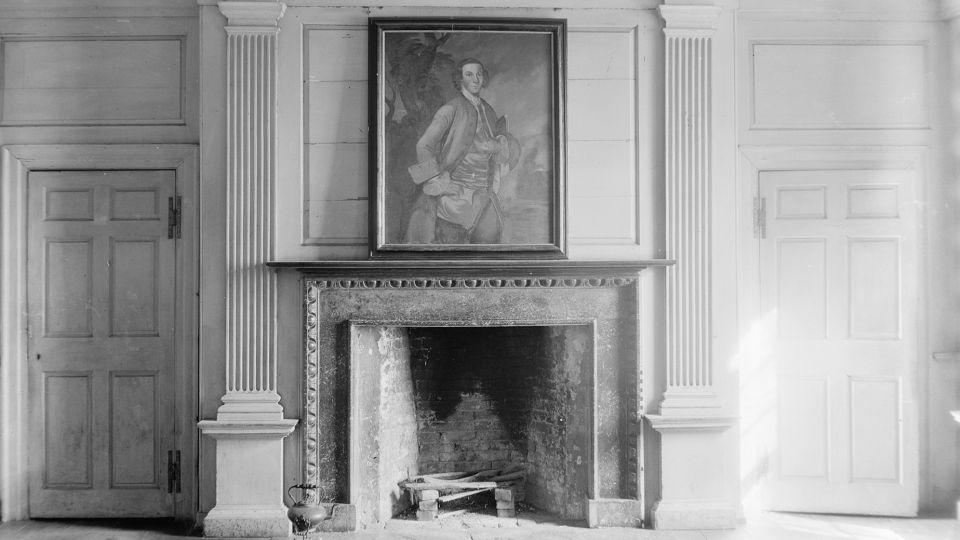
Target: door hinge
{"type": "Point", "coordinates": [173, 216]}
{"type": "Point", "coordinates": [759, 217]}
{"type": "Point", "coordinates": [173, 471]}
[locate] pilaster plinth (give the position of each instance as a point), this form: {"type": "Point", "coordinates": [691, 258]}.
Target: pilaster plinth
{"type": "Point", "coordinates": [249, 479]}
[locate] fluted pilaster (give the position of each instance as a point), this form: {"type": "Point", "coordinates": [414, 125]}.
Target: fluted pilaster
{"type": "Point", "coordinates": [251, 369]}
{"type": "Point", "coordinates": [689, 131]}
{"type": "Point", "coordinates": [690, 424]}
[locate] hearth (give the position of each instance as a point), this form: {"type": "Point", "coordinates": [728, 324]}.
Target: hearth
{"type": "Point", "coordinates": [471, 369]}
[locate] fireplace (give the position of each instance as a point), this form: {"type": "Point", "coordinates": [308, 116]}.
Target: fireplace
{"type": "Point", "coordinates": [454, 398]}
{"type": "Point", "coordinates": [469, 368]}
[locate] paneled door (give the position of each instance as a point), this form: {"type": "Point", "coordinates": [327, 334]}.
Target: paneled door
{"type": "Point", "coordinates": [838, 285]}
{"type": "Point", "coordinates": [101, 343]}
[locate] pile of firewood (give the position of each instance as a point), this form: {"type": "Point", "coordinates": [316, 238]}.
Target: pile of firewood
{"type": "Point", "coordinates": [430, 491]}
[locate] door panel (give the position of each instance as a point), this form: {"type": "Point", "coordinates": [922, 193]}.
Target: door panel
{"type": "Point", "coordinates": [101, 294]}
{"type": "Point", "coordinates": [838, 276]}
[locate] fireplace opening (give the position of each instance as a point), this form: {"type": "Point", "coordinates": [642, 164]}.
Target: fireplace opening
{"type": "Point", "coordinates": [455, 399]}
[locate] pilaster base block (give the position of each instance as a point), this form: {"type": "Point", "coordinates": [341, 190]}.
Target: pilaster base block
{"type": "Point", "coordinates": [247, 521]}
{"type": "Point", "coordinates": [249, 479]}
{"type": "Point", "coordinates": [693, 473]}
{"type": "Point", "coordinates": [614, 513]}
{"type": "Point", "coordinates": [694, 514]}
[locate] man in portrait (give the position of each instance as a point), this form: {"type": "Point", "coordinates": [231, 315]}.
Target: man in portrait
{"type": "Point", "coordinates": [461, 156]}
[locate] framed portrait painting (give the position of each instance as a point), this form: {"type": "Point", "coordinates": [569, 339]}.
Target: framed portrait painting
{"type": "Point", "coordinates": [467, 152]}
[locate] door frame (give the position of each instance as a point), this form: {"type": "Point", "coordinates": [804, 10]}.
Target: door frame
{"type": "Point", "coordinates": [16, 163]}
{"type": "Point", "coordinates": [754, 160]}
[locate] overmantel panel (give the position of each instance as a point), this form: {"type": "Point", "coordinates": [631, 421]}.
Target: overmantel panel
{"type": "Point", "coordinates": [323, 152]}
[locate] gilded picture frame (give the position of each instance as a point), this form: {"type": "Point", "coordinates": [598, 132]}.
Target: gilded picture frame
{"type": "Point", "coordinates": [467, 138]}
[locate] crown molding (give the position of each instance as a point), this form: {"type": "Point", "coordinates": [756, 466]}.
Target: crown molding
{"type": "Point", "coordinates": [252, 13]}
{"type": "Point", "coordinates": [27, 9]}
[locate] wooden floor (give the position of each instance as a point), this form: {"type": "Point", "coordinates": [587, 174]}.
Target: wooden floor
{"type": "Point", "coordinates": [768, 526]}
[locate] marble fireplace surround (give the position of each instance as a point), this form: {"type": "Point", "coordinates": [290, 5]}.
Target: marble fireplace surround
{"type": "Point", "coordinates": [340, 297]}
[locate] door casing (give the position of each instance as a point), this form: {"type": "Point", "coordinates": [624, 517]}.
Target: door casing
{"type": "Point", "coordinates": [16, 163]}
{"type": "Point", "coordinates": [755, 159]}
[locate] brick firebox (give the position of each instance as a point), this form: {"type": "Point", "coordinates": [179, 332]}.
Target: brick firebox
{"type": "Point", "coordinates": [562, 382]}
{"type": "Point", "coordinates": [470, 398]}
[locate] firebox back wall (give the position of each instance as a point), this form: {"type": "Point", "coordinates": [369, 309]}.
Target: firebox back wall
{"type": "Point", "coordinates": [489, 397]}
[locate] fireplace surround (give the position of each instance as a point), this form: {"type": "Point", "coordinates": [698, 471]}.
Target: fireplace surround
{"type": "Point", "coordinates": [370, 329]}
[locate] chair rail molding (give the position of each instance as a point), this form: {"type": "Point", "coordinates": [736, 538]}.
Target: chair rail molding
{"type": "Point", "coordinates": [250, 426]}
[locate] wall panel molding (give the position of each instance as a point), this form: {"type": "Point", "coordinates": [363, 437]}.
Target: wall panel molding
{"type": "Point", "coordinates": [843, 96]}
{"type": "Point", "coordinates": [122, 77]}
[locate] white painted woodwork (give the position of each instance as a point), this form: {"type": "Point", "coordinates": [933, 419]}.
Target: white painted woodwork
{"type": "Point", "coordinates": [250, 426]}
{"type": "Point", "coordinates": [92, 81]}
{"type": "Point", "coordinates": [105, 74]}
{"type": "Point", "coordinates": [815, 79]}
{"type": "Point", "coordinates": [251, 370]}
{"type": "Point", "coordinates": [102, 349]}
{"type": "Point", "coordinates": [693, 480]}
{"type": "Point", "coordinates": [839, 287]}
{"type": "Point", "coordinates": [689, 149]}
{"type": "Point", "coordinates": [68, 209]}
{"type": "Point", "coordinates": [612, 89]}
{"type": "Point", "coordinates": [602, 135]}
{"type": "Point", "coordinates": [839, 85]}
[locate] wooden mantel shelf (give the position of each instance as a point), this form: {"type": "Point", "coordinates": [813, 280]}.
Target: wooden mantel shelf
{"type": "Point", "coordinates": [468, 267]}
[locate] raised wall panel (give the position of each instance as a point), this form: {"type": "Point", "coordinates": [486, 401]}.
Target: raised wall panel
{"type": "Point", "coordinates": [601, 136]}
{"type": "Point", "coordinates": [875, 434]}
{"type": "Point", "coordinates": [601, 55]}
{"type": "Point", "coordinates": [68, 204]}
{"type": "Point", "coordinates": [92, 81]}
{"type": "Point", "coordinates": [133, 430]}
{"type": "Point", "coordinates": [337, 112]}
{"type": "Point", "coordinates": [804, 430]}
{"type": "Point", "coordinates": [336, 152]}
{"type": "Point", "coordinates": [610, 165]}
{"type": "Point", "coordinates": [874, 281]}
{"type": "Point", "coordinates": [873, 201]}
{"type": "Point", "coordinates": [839, 85]}
{"type": "Point", "coordinates": [802, 288]}
{"type": "Point", "coordinates": [801, 202]}
{"type": "Point", "coordinates": [347, 45]}
{"type": "Point", "coordinates": [336, 193]}
{"type": "Point", "coordinates": [135, 205]}
{"type": "Point", "coordinates": [68, 417]}
{"type": "Point", "coordinates": [599, 110]}
{"type": "Point", "coordinates": [338, 221]}
{"type": "Point", "coordinates": [134, 266]}
{"type": "Point", "coordinates": [68, 287]}
{"type": "Point", "coordinates": [606, 219]}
